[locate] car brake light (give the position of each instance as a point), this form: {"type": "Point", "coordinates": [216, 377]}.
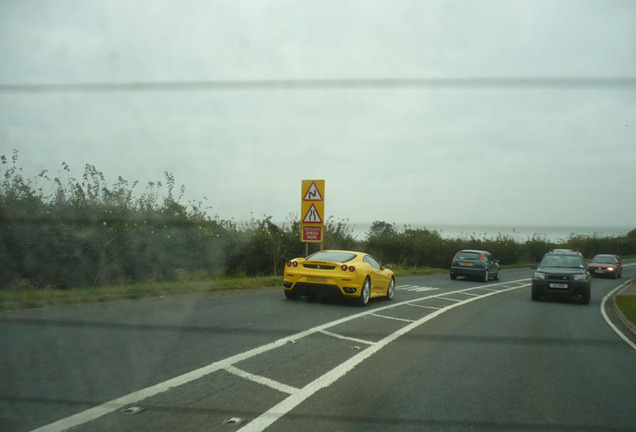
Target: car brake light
{"type": "Point", "coordinates": [289, 264]}
{"type": "Point", "coordinates": [352, 268]}
{"type": "Point", "coordinates": [343, 267]}
{"type": "Point", "coordinates": [295, 263]}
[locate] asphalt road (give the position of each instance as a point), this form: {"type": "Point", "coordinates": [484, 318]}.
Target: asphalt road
{"type": "Point", "coordinates": [443, 355]}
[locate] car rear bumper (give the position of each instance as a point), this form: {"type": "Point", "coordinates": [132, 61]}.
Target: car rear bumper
{"type": "Point", "coordinates": [467, 271]}
{"type": "Point", "coordinates": [320, 290]}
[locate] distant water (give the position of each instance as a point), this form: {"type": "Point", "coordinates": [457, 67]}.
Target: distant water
{"type": "Point", "coordinates": [555, 234]}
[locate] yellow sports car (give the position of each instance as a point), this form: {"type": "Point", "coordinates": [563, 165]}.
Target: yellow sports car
{"type": "Point", "coordinates": [353, 275]}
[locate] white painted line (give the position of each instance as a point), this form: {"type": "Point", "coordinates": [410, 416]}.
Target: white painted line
{"type": "Point", "coordinates": [471, 294]}
{"type": "Point", "coordinates": [339, 336]}
{"type": "Point", "coordinates": [423, 289]}
{"type": "Point", "coordinates": [392, 318]}
{"type": "Point", "coordinates": [449, 299]}
{"type": "Point", "coordinates": [266, 419]}
{"type": "Point", "coordinates": [284, 388]}
{"type": "Point", "coordinates": [135, 397]}
{"type": "Point", "coordinates": [423, 306]}
{"type": "Point", "coordinates": [402, 287]}
{"type": "Point", "coordinates": [609, 322]}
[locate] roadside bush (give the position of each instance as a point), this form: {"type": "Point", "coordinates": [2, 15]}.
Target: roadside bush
{"type": "Point", "coordinates": [66, 232]}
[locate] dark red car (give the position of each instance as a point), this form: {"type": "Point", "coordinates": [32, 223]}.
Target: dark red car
{"type": "Point", "coordinates": [606, 265]}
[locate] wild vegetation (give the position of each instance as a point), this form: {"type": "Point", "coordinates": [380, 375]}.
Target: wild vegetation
{"type": "Point", "coordinates": [66, 233]}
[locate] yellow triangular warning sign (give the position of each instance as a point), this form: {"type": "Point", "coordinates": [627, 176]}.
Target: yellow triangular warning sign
{"type": "Point", "coordinates": [312, 216]}
{"type": "Point", "coordinates": [313, 194]}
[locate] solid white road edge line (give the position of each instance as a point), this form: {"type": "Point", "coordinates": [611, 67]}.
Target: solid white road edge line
{"type": "Point", "coordinates": [266, 419]}
{"type": "Point", "coordinates": [609, 322]}
{"type": "Point", "coordinates": [132, 398]}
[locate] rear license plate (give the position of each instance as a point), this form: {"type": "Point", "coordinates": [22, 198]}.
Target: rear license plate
{"type": "Point", "coordinates": [599, 271]}
{"type": "Point", "coordinates": [558, 285]}
{"type": "Point", "coordinates": [467, 264]}
{"type": "Point", "coordinates": [316, 279]}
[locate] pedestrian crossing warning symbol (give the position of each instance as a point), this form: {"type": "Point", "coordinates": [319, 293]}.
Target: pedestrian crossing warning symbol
{"type": "Point", "coordinates": [312, 216]}
{"type": "Point", "coordinates": [313, 193]}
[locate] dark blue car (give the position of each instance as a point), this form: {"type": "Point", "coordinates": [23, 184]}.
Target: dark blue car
{"type": "Point", "coordinates": [477, 264]}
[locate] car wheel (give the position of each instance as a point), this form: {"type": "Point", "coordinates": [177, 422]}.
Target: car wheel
{"type": "Point", "coordinates": [497, 275]}
{"type": "Point", "coordinates": [365, 293]}
{"type": "Point", "coordinates": [390, 291]}
{"type": "Point", "coordinates": [453, 276]}
{"type": "Point", "coordinates": [585, 298]}
{"type": "Point", "coordinates": [486, 276]}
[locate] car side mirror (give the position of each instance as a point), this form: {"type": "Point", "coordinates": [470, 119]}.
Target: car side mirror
{"type": "Point", "coordinates": [534, 266]}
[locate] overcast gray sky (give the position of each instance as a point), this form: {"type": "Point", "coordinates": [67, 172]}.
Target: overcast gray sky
{"type": "Point", "coordinates": [501, 153]}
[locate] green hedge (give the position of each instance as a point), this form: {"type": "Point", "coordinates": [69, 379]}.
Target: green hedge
{"type": "Point", "coordinates": [65, 232]}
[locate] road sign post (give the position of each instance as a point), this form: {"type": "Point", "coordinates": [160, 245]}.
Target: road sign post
{"type": "Point", "coordinates": [312, 211]}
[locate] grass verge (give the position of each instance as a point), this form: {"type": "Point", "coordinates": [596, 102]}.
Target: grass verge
{"type": "Point", "coordinates": [28, 299]}
{"type": "Point", "coordinates": [627, 305]}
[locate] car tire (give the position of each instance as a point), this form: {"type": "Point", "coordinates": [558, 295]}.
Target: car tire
{"type": "Point", "coordinates": [453, 276]}
{"type": "Point", "coordinates": [497, 275]}
{"type": "Point", "coordinates": [390, 291]}
{"type": "Point", "coordinates": [365, 293]}
{"type": "Point", "coordinates": [585, 298]}
{"type": "Point", "coordinates": [486, 276]}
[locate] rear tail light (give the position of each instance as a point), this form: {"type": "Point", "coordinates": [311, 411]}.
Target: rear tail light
{"type": "Point", "coordinates": [457, 255]}
{"type": "Point", "coordinates": [344, 267]}
{"type": "Point", "coordinates": [352, 268]}
{"type": "Point", "coordinates": [292, 263]}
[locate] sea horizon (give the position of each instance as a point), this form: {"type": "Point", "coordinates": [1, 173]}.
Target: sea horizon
{"type": "Point", "coordinates": [518, 233]}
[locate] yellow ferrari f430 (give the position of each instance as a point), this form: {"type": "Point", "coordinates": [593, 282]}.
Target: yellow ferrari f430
{"type": "Point", "coordinates": [356, 276]}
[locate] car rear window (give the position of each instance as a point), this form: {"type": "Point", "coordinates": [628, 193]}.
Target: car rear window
{"type": "Point", "coordinates": [469, 255]}
{"type": "Point", "coordinates": [339, 257]}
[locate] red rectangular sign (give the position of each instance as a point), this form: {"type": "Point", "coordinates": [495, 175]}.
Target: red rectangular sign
{"type": "Point", "coordinates": [312, 233]}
